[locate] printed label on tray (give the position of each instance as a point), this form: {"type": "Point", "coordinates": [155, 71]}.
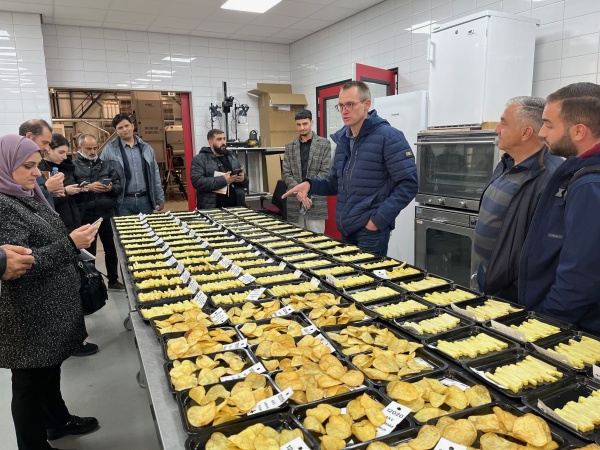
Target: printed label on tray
{"type": "Point", "coordinates": [422, 361]}
{"type": "Point", "coordinates": [482, 374]}
{"type": "Point", "coordinates": [199, 240]}
{"type": "Point", "coordinates": [551, 413]}
{"type": "Point", "coordinates": [309, 330]}
{"type": "Point", "coordinates": [236, 270]}
{"type": "Point", "coordinates": [154, 238]}
{"type": "Point", "coordinates": [185, 276]}
{"type": "Point", "coordinates": [152, 234]}
{"type": "Point", "coordinates": [381, 273]}
{"type": "Point", "coordinates": [164, 248]}
{"type": "Point", "coordinates": [257, 253]}
{"type": "Point", "coordinates": [216, 255]}
{"type": "Point", "coordinates": [552, 355]}
{"type": "Point", "coordinates": [171, 261]}
{"type": "Point", "coordinates": [324, 341]}
{"type": "Point", "coordinates": [256, 293]}
{"type": "Point", "coordinates": [282, 265]}
{"type": "Point", "coordinates": [193, 286]}
{"type": "Point", "coordinates": [508, 331]}
{"type": "Point", "coordinates": [168, 253]}
{"type": "Point", "coordinates": [295, 444]}
{"type": "Point", "coordinates": [141, 216]}
{"type": "Point", "coordinates": [219, 316]}
{"type": "Point", "coordinates": [200, 298]}
{"type": "Point", "coordinates": [177, 220]}
{"type": "Point", "coordinates": [241, 241]}
{"type": "Point", "coordinates": [185, 230]}
{"type": "Point", "coordinates": [242, 343]}
{"type": "Point", "coordinates": [246, 278]}
{"type": "Point", "coordinates": [159, 241]}
{"type": "Point", "coordinates": [204, 244]}
{"type": "Point", "coordinates": [331, 279]}
{"type": "Point", "coordinates": [180, 267]}
{"type": "Point", "coordinates": [256, 368]}
{"type": "Point", "coordinates": [272, 402]}
{"type": "Point", "coordinates": [192, 233]}
{"type": "Point", "coordinates": [451, 382]}
{"type": "Point", "coordinates": [283, 311]}
{"type": "Point", "coordinates": [464, 312]}
{"type": "Point", "coordinates": [315, 281]}
{"type": "Point", "coordinates": [249, 247]}
{"type": "Point", "coordinates": [145, 226]}
{"type": "Point", "coordinates": [225, 262]}
{"type": "Point", "coordinates": [394, 414]}
{"type": "Point", "coordinates": [445, 444]}
{"type": "Point", "coordinates": [270, 260]}
{"type": "Point", "coordinates": [596, 372]}
{"type": "Point", "coordinates": [297, 273]}
{"type": "Point", "coordinates": [169, 214]}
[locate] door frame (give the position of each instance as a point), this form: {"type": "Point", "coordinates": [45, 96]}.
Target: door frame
{"type": "Point", "coordinates": [321, 117]}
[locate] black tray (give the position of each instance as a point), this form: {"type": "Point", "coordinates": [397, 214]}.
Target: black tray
{"type": "Point", "coordinates": [248, 288]}
{"type": "Point", "coordinates": [299, 281]}
{"type": "Point", "coordinates": [347, 248]}
{"type": "Point", "coordinates": [418, 275]}
{"type": "Point", "coordinates": [486, 363]}
{"type": "Point", "coordinates": [246, 356]}
{"type": "Point", "coordinates": [143, 306]}
{"type": "Point", "coordinates": [302, 277]}
{"type": "Point", "coordinates": [208, 311]}
{"type": "Point", "coordinates": [429, 314]}
{"type": "Point", "coordinates": [322, 289]}
{"type": "Point", "coordinates": [464, 333]}
{"type": "Point", "coordinates": [276, 421]}
{"type": "Point", "coordinates": [349, 292]}
{"type": "Point", "coordinates": [392, 301]}
{"type": "Point", "coordinates": [559, 338]}
{"type": "Point", "coordinates": [369, 315]}
{"type": "Point", "coordinates": [330, 262]}
{"type": "Point", "coordinates": [442, 289]}
{"type": "Point", "coordinates": [293, 317]}
{"type": "Point", "coordinates": [342, 401]}
{"type": "Point", "coordinates": [519, 319]}
{"type": "Point", "coordinates": [162, 301]}
{"type": "Point", "coordinates": [306, 256]}
{"type": "Point", "coordinates": [559, 394]}
{"type": "Point", "coordinates": [333, 265]}
{"type": "Point", "coordinates": [474, 302]}
{"type": "Point", "coordinates": [419, 278]}
{"type": "Point", "coordinates": [373, 279]}
{"type": "Point", "coordinates": [184, 402]}
{"type": "Point", "coordinates": [257, 303]}
{"type": "Point", "coordinates": [166, 338]}
{"type": "Point", "coordinates": [391, 439]}
{"type": "Point", "coordinates": [366, 257]}
{"type": "Point", "coordinates": [453, 377]}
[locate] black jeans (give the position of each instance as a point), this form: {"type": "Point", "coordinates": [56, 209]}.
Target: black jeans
{"type": "Point", "coordinates": [370, 241]}
{"type": "Point", "coordinates": [110, 252]}
{"type": "Point", "coordinates": [37, 404]}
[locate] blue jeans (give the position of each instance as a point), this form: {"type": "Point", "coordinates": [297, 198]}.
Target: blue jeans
{"type": "Point", "coordinates": [370, 241]}
{"type": "Point", "coordinates": [132, 205]}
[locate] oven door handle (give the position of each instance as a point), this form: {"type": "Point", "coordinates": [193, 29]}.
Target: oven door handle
{"type": "Point", "coordinates": [452, 142]}
{"type": "Point", "coordinates": [439, 220]}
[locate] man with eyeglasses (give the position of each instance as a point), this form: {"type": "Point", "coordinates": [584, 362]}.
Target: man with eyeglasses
{"type": "Point", "coordinates": [374, 174]}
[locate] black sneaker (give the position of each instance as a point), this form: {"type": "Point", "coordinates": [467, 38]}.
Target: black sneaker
{"type": "Point", "coordinates": [86, 349]}
{"type": "Point", "coordinates": [77, 425]}
{"type": "Point", "coordinates": [116, 285]}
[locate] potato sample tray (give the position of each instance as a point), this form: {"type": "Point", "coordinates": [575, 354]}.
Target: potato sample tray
{"type": "Point", "coordinates": [166, 308]}
{"type": "Point", "coordinates": [350, 280]}
{"type": "Point", "coordinates": [486, 308]}
{"type": "Point", "coordinates": [272, 328]}
{"type": "Point", "coordinates": [431, 322]}
{"type": "Point", "coordinates": [580, 348]}
{"type": "Point", "coordinates": [300, 257]}
{"type": "Point", "coordinates": [571, 392]}
{"type": "Point", "coordinates": [447, 295]}
{"type": "Point", "coordinates": [532, 373]}
{"type": "Point", "coordinates": [322, 297]}
{"type": "Point", "coordinates": [466, 344]}
{"type": "Point", "coordinates": [532, 326]}
{"type": "Point", "coordinates": [184, 321]}
{"type": "Point", "coordinates": [374, 292]}
{"type": "Point", "coordinates": [337, 314]}
{"type": "Point", "coordinates": [399, 307]}
{"type": "Point", "coordinates": [161, 295]}
{"type": "Point", "coordinates": [354, 257]}
{"type": "Point", "coordinates": [234, 296]}
{"type": "Point", "coordinates": [251, 311]}
{"type": "Point", "coordinates": [400, 272]}
{"type": "Point", "coordinates": [197, 342]}
{"type": "Point", "coordinates": [422, 284]}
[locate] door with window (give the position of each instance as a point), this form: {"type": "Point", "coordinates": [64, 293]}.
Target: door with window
{"type": "Point", "coordinates": [381, 82]}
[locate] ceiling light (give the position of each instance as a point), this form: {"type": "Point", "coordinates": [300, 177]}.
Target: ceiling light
{"type": "Point", "coordinates": [183, 60]}
{"type": "Point", "coordinates": [256, 6]}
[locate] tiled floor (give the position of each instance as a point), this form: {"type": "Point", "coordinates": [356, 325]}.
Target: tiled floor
{"type": "Point", "coordinates": [102, 385]}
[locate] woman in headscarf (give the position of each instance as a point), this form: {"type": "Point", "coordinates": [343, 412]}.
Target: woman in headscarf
{"type": "Point", "coordinates": [41, 318]}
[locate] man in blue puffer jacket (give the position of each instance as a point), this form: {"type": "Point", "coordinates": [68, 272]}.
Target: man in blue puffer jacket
{"type": "Point", "coordinates": [374, 174]}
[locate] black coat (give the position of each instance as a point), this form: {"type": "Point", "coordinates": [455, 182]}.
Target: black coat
{"type": "Point", "coordinates": [93, 204]}
{"type": "Point", "coordinates": [66, 206]}
{"type": "Point", "coordinates": [204, 165]}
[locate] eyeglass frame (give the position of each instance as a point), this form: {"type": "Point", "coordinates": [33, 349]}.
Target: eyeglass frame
{"type": "Point", "coordinates": [348, 106]}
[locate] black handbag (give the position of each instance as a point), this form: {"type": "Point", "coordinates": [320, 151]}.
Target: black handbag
{"type": "Point", "coordinates": [93, 291]}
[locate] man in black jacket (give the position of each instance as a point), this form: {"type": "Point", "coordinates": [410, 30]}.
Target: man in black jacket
{"type": "Point", "coordinates": [217, 175]}
{"type": "Point", "coordinates": [98, 200]}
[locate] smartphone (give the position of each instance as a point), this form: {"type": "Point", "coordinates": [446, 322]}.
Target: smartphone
{"type": "Point", "coordinates": [106, 181]}
{"type": "Point", "coordinates": [83, 183]}
{"type": "Point", "coordinates": [236, 172]}
{"type": "Point", "coordinates": [97, 222]}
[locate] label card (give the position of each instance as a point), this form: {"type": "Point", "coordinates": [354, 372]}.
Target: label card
{"type": "Point", "coordinates": [249, 246]}
{"type": "Point", "coordinates": [445, 444]}
{"type": "Point", "coordinates": [272, 402]}
{"type": "Point", "coordinates": [177, 220]}
{"type": "Point", "coordinates": [451, 382]}
{"type": "Point", "coordinates": [422, 361]}
{"type": "Point", "coordinates": [331, 279]}
{"type": "Point", "coordinates": [225, 263]}
{"type": "Point", "coordinates": [256, 293]}
{"type": "Point", "coordinates": [298, 273]}
{"type": "Point", "coordinates": [282, 265]}
{"type": "Point", "coordinates": [283, 311]}
{"type": "Point", "coordinates": [241, 241]}
{"type": "Point", "coordinates": [168, 253]}
{"type": "Point", "coordinates": [164, 248]}
{"type": "Point", "coordinates": [257, 253]}
{"type": "Point", "coordinates": [551, 413]}
{"type": "Point", "coordinates": [555, 356]}
{"type": "Point", "coordinates": [464, 312]}
{"type": "Point", "coordinates": [154, 238]}
{"type": "Point", "coordinates": [246, 278]}
{"type": "Point", "coordinates": [508, 331]}
{"type": "Point", "coordinates": [216, 255]}
{"type": "Point", "coordinates": [482, 374]}
{"type": "Point", "coordinates": [200, 298]}
{"type": "Point", "coordinates": [381, 273]}
{"type": "Point", "coordinates": [256, 368]}
{"type": "Point", "coordinates": [185, 230]}
{"type": "Point", "coordinates": [295, 444]}
{"type": "Point", "coordinates": [199, 240]}
{"type": "Point", "coordinates": [171, 261]}
{"type": "Point", "coordinates": [394, 414]}
{"type": "Point", "coordinates": [141, 216]}
{"type": "Point", "coordinates": [270, 260]}
{"type": "Point", "coordinates": [596, 372]}
{"type": "Point", "coordinates": [185, 276]}
{"type": "Point", "coordinates": [192, 233]}
{"type": "Point", "coordinates": [169, 214]}
{"type": "Point", "coordinates": [184, 225]}
{"type": "Point", "coordinates": [315, 281]}
{"type": "Point", "coordinates": [159, 241]}
{"type": "Point", "coordinates": [324, 341]}
{"type": "Point", "coordinates": [145, 226]}
{"type": "Point", "coordinates": [243, 343]}
{"type": "Point", "coordinates": [309, 330]}
{"type": "Point", "coordinates": [193, 286]}
{"type": "Point", "coordinates": [236, 270]}
{"type": "Point", "coordinates": [219, 316]}
{"type": "Point", "coordinates": [180, 268]}
{"type": "Point", "coordinates": [204, 244]}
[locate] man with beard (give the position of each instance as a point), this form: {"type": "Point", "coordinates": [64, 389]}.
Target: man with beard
{"type": "Point", "coordinates": [217, 175]}
{"type": "Point", "coordinates": [559, 273]}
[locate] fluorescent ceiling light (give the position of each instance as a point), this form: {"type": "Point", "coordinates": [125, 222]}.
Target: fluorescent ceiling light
{"type": "Point", "coordinates": [183, 60]}
{"type": "Point", "coordinates": [256, 6]}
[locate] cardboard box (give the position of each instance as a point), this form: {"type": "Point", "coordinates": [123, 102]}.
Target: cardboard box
{"type": "Point", "coordinates": [159, 150]}
{"type": "Point", "coordinates": [151, 130]}
{"type": "Point", "coordinates": [58, 128]}
{"type": "Point", "coordinates": [277, 107]}
{"type": "Point", "coordinates": [272, 173]}
{"type": "Point", "coordinates": [147, 105]}
{"type": "Point", "coordinates": [174, 137]}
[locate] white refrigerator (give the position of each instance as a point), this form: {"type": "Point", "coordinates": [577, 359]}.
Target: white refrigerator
{"type": "Point", "coordinates": [407, 113]}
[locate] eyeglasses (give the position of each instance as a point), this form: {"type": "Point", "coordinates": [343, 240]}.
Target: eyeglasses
{"type": "Point", "coordinates": [347, 106]}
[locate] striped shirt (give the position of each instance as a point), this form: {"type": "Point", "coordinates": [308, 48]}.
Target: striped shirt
{"type": "Point", "coordinates": [495, 202]}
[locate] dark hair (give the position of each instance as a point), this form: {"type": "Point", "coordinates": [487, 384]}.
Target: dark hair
{"type": "Point", "coordinates": [364, 93]}
{"type": "Point", "coordinates": [579, 103]}
{"type": "Point", "coordinates": [35, 127]}
{"type": "Point", "coordinates": [58, 140]}
{"type": "Point", "coordinates": [303, 114]}
{"type": "Point", "coordinates": [211, 133]}
{"type": "Point", "coordinates": [120, 118]}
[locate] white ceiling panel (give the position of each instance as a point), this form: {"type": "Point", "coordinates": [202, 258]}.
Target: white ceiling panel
{"type": "Point", "coordinates": [311, 25]}
{"type": "Point", "coordinates": [73, 12]}
{"type": "Point", "coordinates": [209, 26]}
{"type": "Point", "coordinates": [335, 14]}
{"type": "Point", "coordinates": [274, 20]}
{"type": "Point", "coordinates": [251, 30]}
{"type": "Point", "coordinates": [295, 9]}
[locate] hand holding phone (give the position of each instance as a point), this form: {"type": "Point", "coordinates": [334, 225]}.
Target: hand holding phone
{"type": "Point", "coordinates": [106, 181]}
{"type": "Point", "coordinates": [98, 222]}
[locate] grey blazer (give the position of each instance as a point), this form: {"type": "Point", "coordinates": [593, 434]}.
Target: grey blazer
{"type": "Point", "coordinates": [319, 164]}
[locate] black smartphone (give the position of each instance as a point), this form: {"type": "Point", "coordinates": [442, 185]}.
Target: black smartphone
{"type": "Point", "coordinates": [236, 172]}
{"type": "Point", "coordinates": [83, 183]}
{"type": "Point", "coordinates": [106, 181]}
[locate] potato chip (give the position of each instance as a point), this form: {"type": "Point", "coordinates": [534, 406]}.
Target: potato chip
{"type": "Point", "coordinates": [426, 414]}
{"type": "Point", "coordinates": [461, 432]}
{"type": "Point", "coordinates": [532, 429]}
{"type": "Point", "coordinates": [478, 395]}
{"type": "Point", "coordinates": [456, 398]}
{"type": "Point", "coordinates": [364, 430]}
{"type": "Point", "coordinates": [443, 422]}
{"type": "Point", "coordinates": [426, 439]}
{"type": "Point", "coordinates": [338, 427]}
{"type": "Point", "coordinates": [311, 423]}
{"type": "Point", "coordinates": [402, 391]}
{"type": "Point", "coordinates": [197, 394]}
{"type": "Point", "coordinates": [200, 416]}
{"type": "Point", "coordinates": [332, 443]}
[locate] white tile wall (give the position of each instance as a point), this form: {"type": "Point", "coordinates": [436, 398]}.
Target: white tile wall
{"type": "Point", "coordinates": [567, 43]}
{"type": "Point", "coordinates": [23, 86]}
{"type": "Point", "coordinates": [80, 57]}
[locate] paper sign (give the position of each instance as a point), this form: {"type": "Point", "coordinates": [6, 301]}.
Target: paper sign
{"type": "Point", "coordinates": [331, 279]}
{"type": "Point", "coordinates": [249, 247]}
{"type": "Point", "coordinates": [451, 382]}
{"type": "Point", "coordinates": [185, 276]}
{"type": "Point", "coordinates": [508, 331]}
{"type": "Point", "coordinates": [171, 261]}
{"type": "Point", "coordinates": [169, 214]}
{"type": "Point", "coordinates": [236, 270]}
{"type": "Point", "coordinates": [225, 263]}
{"type": "Point", "coordinates": [256, 368]}
{"type": "Point", "coordinates": [216, 255]}
{"type": "Point", "coordinates": [255, 294]}
{"type": "Point", "coordinates": [246, 278]}
{"type": "Point", "coordinates": [219, 316]}
{"type": "Point", "coordinates": [180, 268]}
{"type": "Point", "coordinates": [193, 286]}
{"type": "Point", "coordinates": [315, 281]}
{"type": "Point", "coordinates": [220, 227]}
{"type": "Point", "coordinates": [164, 248]}
{"type": "Point", "coordinates": [394, 414]}
{"type": "Point", "coordinates": [168, 253]}
{"type": "Point", "coordinates": [464, 312]}
{"type": "Point", "coordinates": [324, 341]}
{"type": "Point", "coordinates": [185, 230]}
{"type": "Point", "coordinates": [382, 273]}
{"type": "Point", "coordinates": [199, 240]}
{"type": "Point", "coordinates": [154, 239]}
{"type": "Point", "coordinates": [283, 311]}
{"type": "Point", "coordinates": [239, 344]}
{"type": "Point", "coordinates": [192, 233]}
{"type": "Point", "coordinates": [596, 372]}
{"type": "Point", "coordinates": [145, 226]}
{"type": "Point", "coordinates": [184, 225]}
{"type": "Point", "coordinates": [422, 361]}
{"type": "Point", "coordinates": [297, 273]}
{"type": "Point", "coordinates": [309, 330]}
{"type": "Point", "coordinates": [177, 220]}
{"type": "Point", "coordinates": [159, 241]}
{"type": "Point", "coordinates": [282, 265]}
{"type": "Point", "coordinates": [553, 355]}
{"type": "Point", "coordinates": [272, 402]}
{"type": "Point", "coordinates": [551, 413]}
{"type": "Point", "coordinates": [204, 244]}
{"type": "Point", "coordinates": [257, 253]}
{"type": "Point", "coordinates": [141, 216]}
{"type": "Point", "coordinates": [200, 298]}
{"type": "Point", "coordinates": [270, 260]}
{"type": "Point", "coordinates": [295, 444]}
{"type": "Point", "coordinates": [241, 241]}
{"type": "Point", "coordinates": [445, 444]}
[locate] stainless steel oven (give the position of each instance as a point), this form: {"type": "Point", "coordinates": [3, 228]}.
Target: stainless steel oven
{"type": "Point", "coordinates": [444, 244]}
{"type": "Point", "coordinates": [455, 167]}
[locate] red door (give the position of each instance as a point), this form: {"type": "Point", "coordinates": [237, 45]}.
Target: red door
{"type": "Point", "coordinates": [328, 122]}
{"type": "Point", "coordinates": [382, 82]}
{"type": "Point", "coordinates": [186, 120]}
